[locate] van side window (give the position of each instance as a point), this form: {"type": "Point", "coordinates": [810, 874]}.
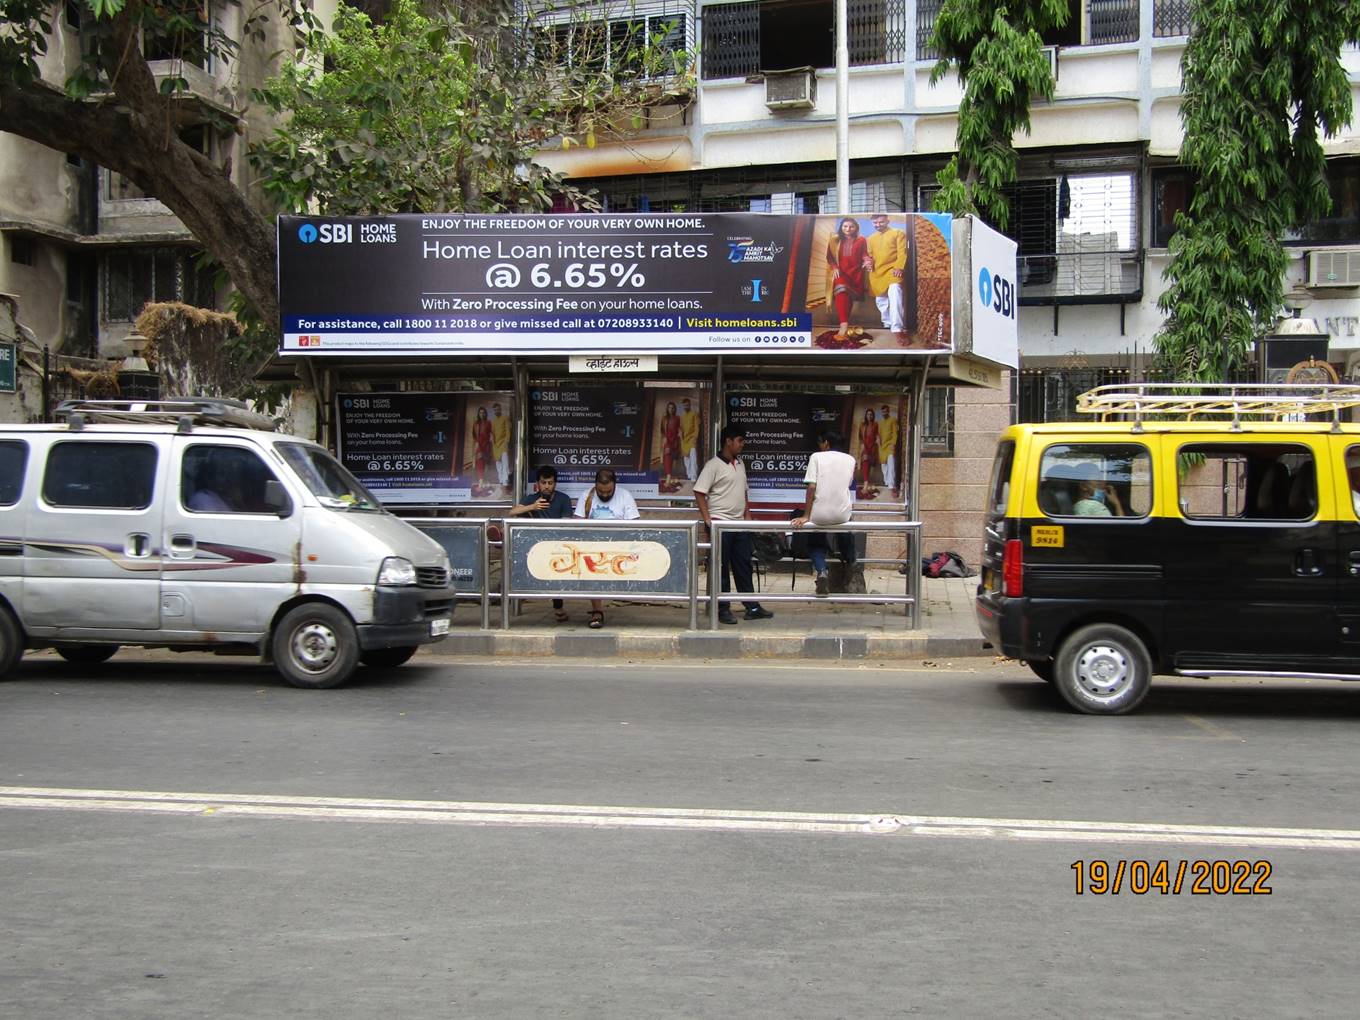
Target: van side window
{"type": "Point", "coordinates": [13, 460]}
{"type": "Point", "coordinates": [223, 480]}
{"type": "Point", "coordinates": [1247, 481]}
{"type": "Point", "coordinates": [100, 476]}
{"type": "Point", "coordinates": [1095, 480]}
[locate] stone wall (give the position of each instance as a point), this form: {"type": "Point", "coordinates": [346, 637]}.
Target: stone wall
{"type": "Point", "coordinates": [953, 489]}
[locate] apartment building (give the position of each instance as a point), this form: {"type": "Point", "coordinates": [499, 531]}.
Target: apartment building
{"type": "Point", "coordinates": [1092, 212]}
{"type": "Point", "coordinates": [84, 249]}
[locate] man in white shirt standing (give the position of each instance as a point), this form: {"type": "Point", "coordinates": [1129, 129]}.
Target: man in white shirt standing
{"type": "Point", "coordinates": [720, 492]}
{"type": "Point", "coordinates": [605, 501]}
{"type": "Point", "coordinates": [830, 478]}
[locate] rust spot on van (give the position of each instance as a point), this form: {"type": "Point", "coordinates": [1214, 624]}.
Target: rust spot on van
{"type": "Point", "coordinates": [299, 572]}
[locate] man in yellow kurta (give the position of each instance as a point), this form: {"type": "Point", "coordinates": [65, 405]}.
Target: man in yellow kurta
{"type": "Point", "coordinates": [689, 438]}
{"type": "Point", "coordinates": [500, 444]}
{"type": "Point", "coordinates": [887, 448]}
{"type": "Point", "coordinates": [888, 249]}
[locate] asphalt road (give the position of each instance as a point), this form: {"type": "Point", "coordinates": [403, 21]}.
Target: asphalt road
{"type": "Point", "coordinates": [882, 882]}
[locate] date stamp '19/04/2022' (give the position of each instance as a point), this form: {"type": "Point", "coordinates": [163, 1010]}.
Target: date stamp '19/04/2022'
{"type": "Point", "coordinates": [1197, 877]}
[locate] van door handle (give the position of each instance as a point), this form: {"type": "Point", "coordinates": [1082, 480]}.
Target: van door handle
{"type": "Point", "coordinates": [1306, 563]}
{"type": "Point", "coordinates": [137, 544]}
{"type": "Point", "coordinates": [183, 546]}
{"type": "Point", "coordinates": [1354, 568]}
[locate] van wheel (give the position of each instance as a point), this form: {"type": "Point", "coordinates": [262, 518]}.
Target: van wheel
{"type": "Point", "coordinates": [87, 655]}
{"type": "Point", "coordinates": [1042, 668]}
{"type": "Point", "coordinates": [387, 658]}
{"type": "Point", "coordinates": [11, 642]}
{"type": "Point", "coordinates": [315, 646]}
{"type": "Point", "coordinates": [1102, 670]}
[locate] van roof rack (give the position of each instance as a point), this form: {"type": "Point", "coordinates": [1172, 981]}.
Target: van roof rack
{"type": "Point", "coordinates": [186, 412]}
{"type": "Point", "coordinates": [1189, 400]}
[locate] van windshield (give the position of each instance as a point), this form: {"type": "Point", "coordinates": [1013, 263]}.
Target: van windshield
{"type": "Point", "coordinates": [330, 483]}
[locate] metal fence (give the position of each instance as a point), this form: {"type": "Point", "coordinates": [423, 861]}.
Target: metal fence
{"type": "Point", "coordinates": [910, 599]}
{"type": "Point", "coordinates": [493, 541]}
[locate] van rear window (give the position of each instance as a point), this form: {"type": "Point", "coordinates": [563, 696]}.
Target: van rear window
{"type": "Point", "coordinates": [1095, 480]}
{"type": "Point", "coordinates": [1000, 488]}
{"type": "Point", "coordinates": [100, 476]}
{"type": "Point", "coordinates": [13, 460]}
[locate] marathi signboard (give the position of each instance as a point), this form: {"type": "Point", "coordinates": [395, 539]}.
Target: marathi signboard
{"type": "Point", "coordinates": [608, 283]}
{"type": "Point", "coordinates": [430, 448]}
{"type": "Point", "coordinates": [654, 437]}
{"type": "Point", "coordinates": [621, 561]}
{"type": "Point", "coordinates": [782, 429]}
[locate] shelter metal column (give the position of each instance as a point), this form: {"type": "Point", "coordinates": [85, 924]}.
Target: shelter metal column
{"type": "Point", "coordinates": [913, 555]}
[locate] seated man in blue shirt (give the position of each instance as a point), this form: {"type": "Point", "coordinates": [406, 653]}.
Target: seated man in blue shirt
{"type": "Point", "coordinates": [545, 501]}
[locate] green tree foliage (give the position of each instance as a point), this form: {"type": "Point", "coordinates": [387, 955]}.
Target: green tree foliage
{"type": "Point", "coordinates": [1261, 80]}
{"type": "Point", "coordinates": [449, 111]}
{"type": "Point", "coordinates": [998, 51]}
{"type": "Point", "coordinates": [446, 110]}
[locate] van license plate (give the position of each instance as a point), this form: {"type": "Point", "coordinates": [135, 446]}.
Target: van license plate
{"type": "Point", "coordinates": [438, 627]}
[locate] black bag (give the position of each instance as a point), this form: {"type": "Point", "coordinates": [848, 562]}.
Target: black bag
{"type": "Point", "coordinates": [769, 546]}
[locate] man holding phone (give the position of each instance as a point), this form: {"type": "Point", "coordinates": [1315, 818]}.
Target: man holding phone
{"type": "Point", "coordinates": [546, 502]}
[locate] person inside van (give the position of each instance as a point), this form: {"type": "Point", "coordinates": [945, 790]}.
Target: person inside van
{"type": "Point", "coordinates": [1095, 497]}
{"type": "Point", "coordinates": [216, 491]}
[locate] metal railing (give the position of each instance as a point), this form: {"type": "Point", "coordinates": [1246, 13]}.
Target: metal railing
{"type": "Point", "coordinates": [911, 599]}
{"type": "Point", "coordinates": [482, 538]}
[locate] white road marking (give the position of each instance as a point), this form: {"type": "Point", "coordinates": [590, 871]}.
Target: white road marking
{"type": "Point", "coordinates": [706, 819]}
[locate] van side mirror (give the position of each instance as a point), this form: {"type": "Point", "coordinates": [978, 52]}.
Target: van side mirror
{"type": "Point", "coordinates": [276, 498]}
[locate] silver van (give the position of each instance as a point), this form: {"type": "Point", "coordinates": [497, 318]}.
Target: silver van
{"type": "Point", "coordinates": [168, 524]}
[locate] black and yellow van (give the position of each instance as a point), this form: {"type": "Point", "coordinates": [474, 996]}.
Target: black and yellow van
{"type": "Point", "coordinates": [1202, 532]}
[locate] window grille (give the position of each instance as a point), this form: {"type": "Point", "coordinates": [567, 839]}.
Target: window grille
{"type": "Point", "coordinates": [926, 12]}
{"type": "Point", "coordinates": [937, 421]}
{"type": "Point", "coordinates": [733, 46]}
{"type": "Point", "coordinates": [731, 40]}
{"type": "Point", "coordinates": [1170, 17]}
{"type": "Point", "coordinates": [1077, 234]}
{"type": "Point", "coordinates": [877, 31]}
{"type": "Point", "coordinates": [1112, 21]}
{"type": "Point", "coordinates": [134, 277]}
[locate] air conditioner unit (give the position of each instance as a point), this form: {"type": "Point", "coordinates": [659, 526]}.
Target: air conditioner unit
{"type": "Point", "coordinates": [1334, 268]}
{"type": "Point", "coordinates": [794, 89]}
{"type": "Point", "coordinates": [1051, 53]}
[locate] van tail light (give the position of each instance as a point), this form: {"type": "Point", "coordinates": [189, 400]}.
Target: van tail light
{"type": "Point", "coordinates": [1013, 569]}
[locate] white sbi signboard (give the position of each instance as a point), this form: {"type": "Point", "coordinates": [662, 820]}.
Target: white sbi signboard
{"type": "Point", "coordinates": [986, 293]}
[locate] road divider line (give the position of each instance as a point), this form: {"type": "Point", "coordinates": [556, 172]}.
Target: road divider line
{"type": "Point", "coordinates": [694, 819]}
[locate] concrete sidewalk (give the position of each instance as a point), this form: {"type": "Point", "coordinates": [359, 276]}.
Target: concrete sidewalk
{"type": "Point", "coordinates": [799, 630]}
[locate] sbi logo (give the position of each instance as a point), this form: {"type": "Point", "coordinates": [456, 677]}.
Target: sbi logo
{"type": "Point", "coordinates": [997, 293]}
{"type": "Point", "coordinates": [328, 233]}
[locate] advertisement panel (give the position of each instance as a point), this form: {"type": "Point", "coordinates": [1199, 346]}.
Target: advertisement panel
{"type": "Point", "coordinates": [9, 357]}
{"type": "Point", "coordinates": [709, 283]}
{"type": "Point", "coordinates": [782, 429]}
{"type": "Point", "coordinates": [430, 448]}
{"type": "Point", "coordinates": [654, 437]}
{"type": "Point", "coordinates": [619, 561]}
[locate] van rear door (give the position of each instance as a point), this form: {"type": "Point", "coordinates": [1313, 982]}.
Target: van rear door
{"type": "Point", "coordinates": [92, 545]}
